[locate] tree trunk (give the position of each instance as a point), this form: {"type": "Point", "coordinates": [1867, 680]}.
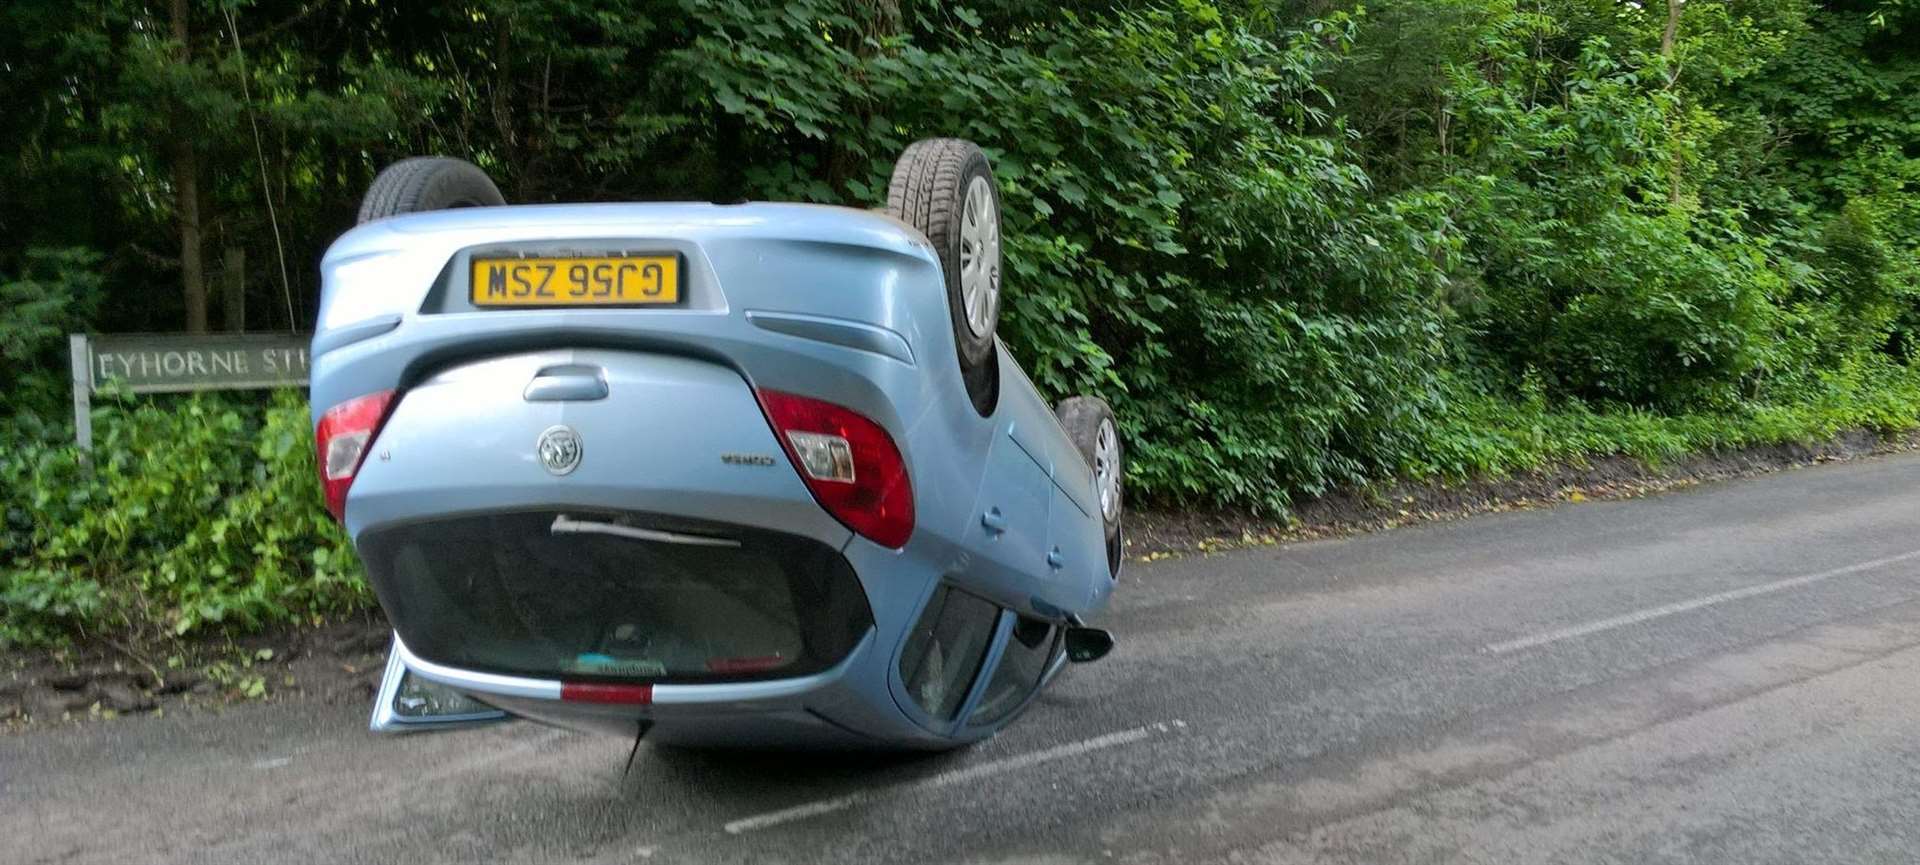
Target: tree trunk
{"type": "Point", "coordinates": [501, 99]}
{"type": "Point", "coordinates": [233, 290]}
{"type": "Point", "coordinates": [186, 193]}
{"type": "Point", "coordinates": [883, 18]}
{"type": "Point", "coordinates": [1672, 31]}
{"type": "Point", "coordinates": [1667, 37]}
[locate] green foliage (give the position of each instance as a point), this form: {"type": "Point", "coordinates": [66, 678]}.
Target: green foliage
{"type": "Point", "coordinates": [1493, 431]}
{"type": "Point", "coordinates": [52, 296]}
{"type": "Point", "coordinates": [196, 514]}
{"type": "Point", "coordinates": [1580, 268]}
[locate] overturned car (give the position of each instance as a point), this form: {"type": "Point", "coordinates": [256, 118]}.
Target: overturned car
{"type": "Point", "coordinates": [748, 474]}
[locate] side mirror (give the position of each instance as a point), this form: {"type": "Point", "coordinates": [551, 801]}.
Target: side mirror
{"type": "Point", "coordinates": [1085, 645]}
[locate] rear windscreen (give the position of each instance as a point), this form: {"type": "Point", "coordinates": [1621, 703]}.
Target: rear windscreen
{"type": "Point", "coordinates": [586, 595]}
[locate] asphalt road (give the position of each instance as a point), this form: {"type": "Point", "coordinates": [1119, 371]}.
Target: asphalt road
{"type": "Point", "coordinates": [1725, 674]}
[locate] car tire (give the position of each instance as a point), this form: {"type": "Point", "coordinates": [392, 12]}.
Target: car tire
{"type": "Point", "coordinates": [428, 183]}
{"type": "Point", "coordinates": [1091, 426]}
{"type": "Point", "coordinates": [945, 188]}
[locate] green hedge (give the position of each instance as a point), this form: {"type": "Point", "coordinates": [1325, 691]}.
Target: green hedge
{"type": "Point", "coordinates": [195, 513]}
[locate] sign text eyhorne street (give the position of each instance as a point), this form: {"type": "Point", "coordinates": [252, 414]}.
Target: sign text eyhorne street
{"type": "Point", "coordinates": [177, 363]}
{"type": "Point", "coordinates": [172, 363]}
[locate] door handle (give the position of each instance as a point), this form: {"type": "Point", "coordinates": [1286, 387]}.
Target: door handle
{"type": "Point", "coordinates": [567, 384]}
{"type": "Point", "coordinates": [1056, 560]}
{"type": "Point", "coordinates": [994, 522]}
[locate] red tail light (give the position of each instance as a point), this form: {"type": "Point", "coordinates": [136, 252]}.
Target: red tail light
{"type": "Point", "coordinates": [341, 441]}
{"type": "Point", "coordinates": [849, 462]}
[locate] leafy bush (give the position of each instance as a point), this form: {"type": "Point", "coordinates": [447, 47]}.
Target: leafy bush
{"type": "Point", "coordinates": [1490, 431]}
{"type": "Point", "coordinates": [1586, 274]}
{"type": "Point", "coordinates": [54, 294]}
{"type": "Point", "coordinates": [197, 513]}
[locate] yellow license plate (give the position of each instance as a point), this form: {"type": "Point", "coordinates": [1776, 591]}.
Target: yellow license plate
{"type": "Point", "coordinates": [627, 280]}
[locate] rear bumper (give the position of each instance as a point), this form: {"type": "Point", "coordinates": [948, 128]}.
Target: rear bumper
{"type": "Point", "coordinates": [665, 700]}
{"type": "Point", "coordinates": [820, 710]}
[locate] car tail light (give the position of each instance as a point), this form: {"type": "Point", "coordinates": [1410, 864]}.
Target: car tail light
{"type": "Point", "coordinates": [341, 441]}
{"type": "Point", "coordinates": [849, 463]}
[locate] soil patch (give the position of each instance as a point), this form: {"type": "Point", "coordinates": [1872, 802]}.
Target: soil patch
{"type": "Point", "coordinates": [335, 662]}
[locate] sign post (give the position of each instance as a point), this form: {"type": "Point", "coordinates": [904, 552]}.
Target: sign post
{"type": "Point", "coordinates": [82, 393]}
{"type": "Point", "coordinates": [179, 363]}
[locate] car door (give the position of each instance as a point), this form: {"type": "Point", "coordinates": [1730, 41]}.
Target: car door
{"type": "Point", "coordinates": [1008, 535]}
{"type": "Point", "coordinates": [1076, 554]}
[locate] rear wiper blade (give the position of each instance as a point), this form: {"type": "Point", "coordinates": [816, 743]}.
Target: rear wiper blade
{"type": "Point", "coordinates": [564, 525]}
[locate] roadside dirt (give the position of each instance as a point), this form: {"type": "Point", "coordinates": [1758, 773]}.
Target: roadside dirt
{"type": "Point", "coordinates": [341, 661]}
{"type": "Point", "coordinates": [335, 662]}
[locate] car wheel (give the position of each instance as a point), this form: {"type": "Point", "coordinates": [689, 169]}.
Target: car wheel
{"type": "Point", "coordinates": [944, 188]}
{"type": "Point", "coordinates": [1090, 425]}
{"type": "Point", "coordinates": [428, 183]}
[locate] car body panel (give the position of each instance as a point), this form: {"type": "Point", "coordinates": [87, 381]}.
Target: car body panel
{"type": "Point", "coordinates": [835, 304]}
{"type": "Point", "coordinates": [467, 435]}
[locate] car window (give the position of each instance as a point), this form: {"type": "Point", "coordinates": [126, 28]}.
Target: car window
{"type": "Point", "coordinates": [944, 652]}
{"type": "Point", "coordinates": [549, 594]}
{"type": "Point", "coordinates": [1029, 650]}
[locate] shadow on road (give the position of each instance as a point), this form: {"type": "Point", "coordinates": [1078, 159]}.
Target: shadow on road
{"type": "Point", "coordinates": [815, 773]}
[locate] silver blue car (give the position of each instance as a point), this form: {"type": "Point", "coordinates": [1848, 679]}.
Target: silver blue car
{"type": "Point", "coordinates": [745, 474]}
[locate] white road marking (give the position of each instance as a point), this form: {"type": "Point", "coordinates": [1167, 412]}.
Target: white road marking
{"type": "Point", "coordinates": [1677, 607]}
{"type": "Point", "coordinates": [957, 776]}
